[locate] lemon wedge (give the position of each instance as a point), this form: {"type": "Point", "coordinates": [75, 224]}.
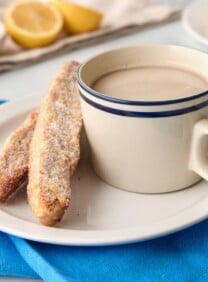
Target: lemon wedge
{"type": "Point", "coordinates": [32, 23]}
{"type": "Point", "coordinates": [78, 19]}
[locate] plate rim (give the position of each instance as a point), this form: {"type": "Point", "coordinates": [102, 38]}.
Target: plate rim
{"type": "Point", "coordinates": [74, 237]}
{"type": "Point", "coordinates": [188, 27]}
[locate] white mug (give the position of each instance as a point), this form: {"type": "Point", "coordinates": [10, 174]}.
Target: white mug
{"type": "Point", "coordinates": [146, 146]}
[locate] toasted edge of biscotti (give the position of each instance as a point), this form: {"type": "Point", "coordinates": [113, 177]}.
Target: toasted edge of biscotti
{"type": "Point", "coordinates": [14, 157]}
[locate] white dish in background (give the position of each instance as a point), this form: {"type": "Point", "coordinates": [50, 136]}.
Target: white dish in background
{"type": "Point", "coordinates": [2, 34]}
{"type": "Point", "coordinates": [99, 214]}
{"type": "Point", "coordinates": [195, 20]}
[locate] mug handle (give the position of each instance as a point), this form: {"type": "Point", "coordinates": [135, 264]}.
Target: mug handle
{"type": "Point", "coordinates": [199, 149]}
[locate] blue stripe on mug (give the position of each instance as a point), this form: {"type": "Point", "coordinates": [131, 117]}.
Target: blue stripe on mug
{"type": "Point", "coordinates": [135, 103]}
{"type": "Point", "coordinates": [146, 114]}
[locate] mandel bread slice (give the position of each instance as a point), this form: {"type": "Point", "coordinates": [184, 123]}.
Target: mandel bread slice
{"type": "Point", "coordinates": [55, 149]}
{"type": "Point", "coordinates": [14, 157]}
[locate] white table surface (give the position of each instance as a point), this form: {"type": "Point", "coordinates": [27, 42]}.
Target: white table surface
{"type": "Point", "coordinates": [21, 82]}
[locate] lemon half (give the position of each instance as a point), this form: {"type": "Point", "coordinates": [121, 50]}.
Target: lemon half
{"type": "Point", "coordinates": [32, 23]}
{"type": "Point", "coordinates": [78, 19]}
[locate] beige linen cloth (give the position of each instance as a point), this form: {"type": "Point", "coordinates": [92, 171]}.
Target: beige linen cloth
{"type": "Point", "coordinates": [120, 17]}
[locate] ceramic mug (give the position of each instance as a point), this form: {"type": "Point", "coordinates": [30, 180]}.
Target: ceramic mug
{"type": "Point", "coordinates": [146, 146]}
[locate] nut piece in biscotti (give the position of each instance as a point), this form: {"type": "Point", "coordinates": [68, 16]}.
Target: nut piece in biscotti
{"type": "Point", "coordinates": [54, 150]}
{"type": "Point", "coordinates": [14, 157]}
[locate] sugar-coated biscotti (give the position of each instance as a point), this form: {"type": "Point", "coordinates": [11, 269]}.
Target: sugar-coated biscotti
{"type": "Point", "coordinates": [14, 157]}
{"type": "Point", "coordinates": [54, 150]}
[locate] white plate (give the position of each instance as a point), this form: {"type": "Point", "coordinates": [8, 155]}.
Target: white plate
{"type": "Point", "coordinates": [195, 20]}
{"type": "Point", "coordinates": [99, 214]}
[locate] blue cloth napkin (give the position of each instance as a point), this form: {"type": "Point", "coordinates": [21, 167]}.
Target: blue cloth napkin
{"type": "Point", "coordinates": [181, 257]}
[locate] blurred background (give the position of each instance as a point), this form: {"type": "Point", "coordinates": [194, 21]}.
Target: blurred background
{"type": "Point", "coordinates": [102, 25]}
